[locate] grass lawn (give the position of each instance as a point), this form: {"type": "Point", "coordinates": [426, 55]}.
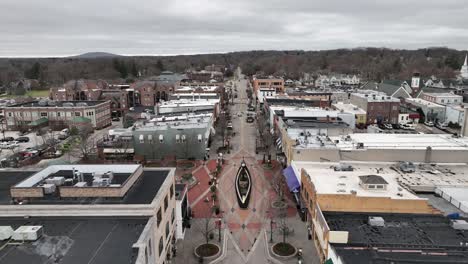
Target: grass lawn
{"type": "Point", "coordinates": [34, 93]}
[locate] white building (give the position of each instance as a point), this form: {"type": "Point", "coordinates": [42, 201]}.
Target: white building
{"type": "Point", "coordinates": [184, 105]}
{"type": "Point", "coordinates": [442, 98]}
{"type": "Point", "coordinates": [262, 93]}
{"type": "Point", "coordinates": [455, 114]}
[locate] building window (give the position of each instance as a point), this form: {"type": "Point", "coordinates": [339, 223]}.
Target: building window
{"type": "Point", "coordinates": [173, 215]}
{"type": "Point", "coordinates": [43, 114]}
{"type": "Point", "coordinates": [58, 114]}
{"type": "Point", "coordinates": [183, 138]}
{"type": "Point", "coordinates": [166, 203]}
{"type": "Point", "coordinates": [150, 139]}
{"type": "Point", "coordinates": [379, 186]}
{"type": "Point", "coordinates": [9, 114]}
{"type": "Point", "coordinates": [171, 191]}
{"type": "Point", "coordinates": [371, 186]}
{"type": "Point", "coordinates": [142, 139]}
{"type": "Point", "coordinates": [77, 114]}
{"type": "Point", "coordinates": [161, 246]}
{"type": "Point", "coordinates": [200, 138]}
{"type": "Point", "coordinates": [161, 138]}
{"type": "Point", "coordinates": [177, 138]}
{"type": "Point", "coordinates": [167, 230]}
{"type": "Point", "coordinates": [159, 217]}
{"type": "Point", "coordinates": [150, 247]}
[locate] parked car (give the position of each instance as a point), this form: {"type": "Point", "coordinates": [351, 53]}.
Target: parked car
{"type": "Point", "coordinates": [62, 136]}
{"type": "Point", "coordinates": [22, 139]}
{"type": "Point", "coordinates": [442, 125]}
{"type": "Point", "coordinates": [8, 145]}
{"type": "Point", "coordinates": [115, 119]}
{"type": "Point", "coordinates": [7, 139]}
{"type": "Point", "coordinates": [388, 126]}
{"type": "Point", "coordinates": [429, 123]}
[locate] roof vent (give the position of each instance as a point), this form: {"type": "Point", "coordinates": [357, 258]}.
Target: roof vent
{"type": "Point", "coordinates": [376, 221]}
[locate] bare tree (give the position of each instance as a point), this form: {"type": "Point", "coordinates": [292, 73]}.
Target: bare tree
{"type": "Point", "coordinates": [86, 144]}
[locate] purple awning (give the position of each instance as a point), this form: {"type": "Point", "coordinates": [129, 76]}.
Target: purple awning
{"type": "Point", "coordinates": [291, 179]}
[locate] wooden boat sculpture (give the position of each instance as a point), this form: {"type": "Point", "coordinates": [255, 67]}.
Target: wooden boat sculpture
{"type": "Point", "coordinates": [243, 186]}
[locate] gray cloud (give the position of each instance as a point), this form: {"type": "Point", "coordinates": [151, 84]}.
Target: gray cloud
{"type": "Point", "coordinates": [59, 28]}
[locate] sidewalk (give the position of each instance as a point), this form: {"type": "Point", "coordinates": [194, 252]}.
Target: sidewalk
{"type": "Point", "coordinates": [193, 238]}
{"type": "Point", "coordinates": [299, 239]}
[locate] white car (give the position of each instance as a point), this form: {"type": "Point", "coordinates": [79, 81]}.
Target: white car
{"type": "Point", "coordinates": [429, 123]}
{"type": "Point", "coordinates": [9, 145]}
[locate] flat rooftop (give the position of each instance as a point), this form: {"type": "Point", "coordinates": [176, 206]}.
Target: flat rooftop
{"type": "Point", "coordinates": [178, 121]}
{"type": "Point", "coordinates": [7, 180]}
{"type": "Point", "coordinates": [350, 108]}
{"type": "Point", "coordinates": [443, 95]}
{"type": "Point", "coordinates": [372, 96]}
{"type": "Point", "coordinates": [75, 240]}
{"type": "Point", "coordinates": [419, 101]}
{"type": "Point", "coordinates": [142, 191]}
{"type": "Point", "coordinates": [404, 238]}
{"type": "Point", "coordinates": [329, 181]}
{"type": "Point", "coordinates": [401, 141]}
{"type": "Point", "coordinates": [189, 102]}
{"type": "Point", "coordinates": [65, 104]}
{"type": "Point", "coordinates": [121, 173]}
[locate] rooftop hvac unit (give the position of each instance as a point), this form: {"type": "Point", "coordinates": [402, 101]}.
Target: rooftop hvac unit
{"type": "Point", "coordinates": [58, 181]}
{"type": "Point", "coordinates": [48, 188]}
{"type": "Point", "coordinates": [459, 224]}
{"type": "Point", "coordinates": [6, 232]}
{"type": "Point", "coordinates": [52, 103]}
{"type": "Point", "coordinates": [27, 233]}
{"type": "Point", "coordinates": [82, 104]}
{"type": "Point", "coordinates": [42, 103]}
{"type": "Point", "coordinates": [81, 184]}
{"type": "Point", "coordinates": [376, 221]}
{"type": "Point", "coordinates": [68, 104]}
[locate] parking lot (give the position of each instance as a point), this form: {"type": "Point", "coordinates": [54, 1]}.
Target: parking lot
{"type": "Point", "coordinates": [34, 141]}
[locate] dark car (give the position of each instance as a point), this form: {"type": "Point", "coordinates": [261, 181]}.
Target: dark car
{"type": "Point", "coordinates": [115, 119]}
{"type": "Point", "coordinates": [22, 139]}
{"type": "Point", "coordinates": [7, 139]}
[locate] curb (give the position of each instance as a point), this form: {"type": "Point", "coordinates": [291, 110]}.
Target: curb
{"type": "Point", "coordinates": [267, 248]}
{"type": "Point", "coordinates": [224, 249]}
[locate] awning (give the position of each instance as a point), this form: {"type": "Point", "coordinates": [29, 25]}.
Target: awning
{"type": "Point", "coordinates": [118, 151]}
{"type": "Point", "coordinates": [39, 122]}
{"type": "Point", "coordinates": [291, 179]}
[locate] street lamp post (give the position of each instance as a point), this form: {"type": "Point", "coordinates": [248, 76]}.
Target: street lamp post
{"type": "Point", "coordinates": [271, 230]}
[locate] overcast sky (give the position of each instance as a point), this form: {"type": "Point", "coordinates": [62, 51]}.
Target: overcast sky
{"type": "Point", "coordinates": [157, 27]}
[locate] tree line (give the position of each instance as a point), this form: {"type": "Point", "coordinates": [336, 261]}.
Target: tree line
{"type": "Point", "coordinates": [370, 63]}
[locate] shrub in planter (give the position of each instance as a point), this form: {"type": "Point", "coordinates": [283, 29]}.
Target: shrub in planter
{"type": "Point", "coordinates": [213, 188]}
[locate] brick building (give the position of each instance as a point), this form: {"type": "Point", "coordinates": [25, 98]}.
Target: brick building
{"type": "Point", "coordinates": [380, 108]}
{"type": "Point", "coordinates": [267, 82]}
{"type": "Point", "coordinates": [58, 114]}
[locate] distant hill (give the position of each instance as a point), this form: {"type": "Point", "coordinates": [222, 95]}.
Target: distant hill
{"type": "Point", "coordinates": [95, 55]}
